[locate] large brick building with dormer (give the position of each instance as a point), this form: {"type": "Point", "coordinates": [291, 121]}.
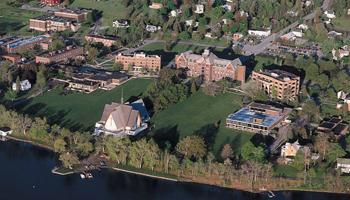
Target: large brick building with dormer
{"type": "Point", "coordinates": [210, 66]}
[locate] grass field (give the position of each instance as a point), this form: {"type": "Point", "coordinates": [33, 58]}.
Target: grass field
{"type": "Point", "coordinates": [14, 19]}
{"type": "Point", "coordinates": [80, 111]}
{"type": "Point", "coordinates": [112, 9]}
{"type": "Point", "coordinates": [201, 115]}
{"type": "Point", "coordinates": [342, 23]}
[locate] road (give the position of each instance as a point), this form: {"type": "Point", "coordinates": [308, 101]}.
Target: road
{"type": "Point", "coordinates": [265, 43]}
{"type": "Point", "coordinates": [148, 42]}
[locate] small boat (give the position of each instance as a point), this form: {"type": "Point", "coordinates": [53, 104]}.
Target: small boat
{"type": "Point", "coordinates": [89, 175]}
{"type": "Point", "coordinates": [82, 176]}
{"type": "Point", "coordinates": [270, 194]}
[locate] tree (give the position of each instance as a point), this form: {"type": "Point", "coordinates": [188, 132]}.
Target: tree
{"type": "Point", "coordinates": [117, 148]}
{"type": "Point", "coordinates": [18, 84]}
{"type": "Point", "coordinates": [68, 159]}
{"type": "Point", "coordinates": [250, 152]}
{"type": "Point", "coordinates": [152, 156]}
{"type": "Point", "coordinates": [254, 91]}
{"type": "Point", "coordinates": [92, 54]}
{"type": "Point", "coordinates": [192, 146]}
{"type": "Point", "coordinates": [41, 78]}
{"type": "Point", "coordinates": [193, 87]}
{"type": "Point", "coordinates": [60, 145]}
{"type": "Point", "coordinates": [226, 152]}
{"type": "Point", "coordinates": [10, 95]}
{"type": "Point", "coordinates": [137, 152]}
{"type": "Point", "coordinates": [321, 144]}
{"type": "Point", "coordinates": [334, 151]}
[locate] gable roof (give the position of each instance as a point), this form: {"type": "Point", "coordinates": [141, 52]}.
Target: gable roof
{"type": "Point", "coordinates": [124, 115]}
{"type": "Point", "coordinates": [210, 58]}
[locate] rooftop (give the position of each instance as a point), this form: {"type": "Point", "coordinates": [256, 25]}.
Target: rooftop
{"type": "Point", "coordinates": [279, 74]}
{"type": "Point", "coordinates": [25, 41]}
{"type": "Point", "coordinates": [74, 10]}
{"type": "Point", "coordinates": [103, 37]}
{"type": "Point", "coordinates": [249, 116]}
{"type": "Point", "coordinates": [52, 18]}
{"type": "Point", "coordinates": [61, 51]}
{"type": "Point", "coordinates": [345, 161]}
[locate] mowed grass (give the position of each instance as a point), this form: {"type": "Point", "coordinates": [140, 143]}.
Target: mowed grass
{"type": "Point", "coordinates": [13, 19]}
{"type": "Point", "coordinates": [201, 115]}
{"type": "Point", "coordinates": [342, 23]}
{"type": "Point", "coordinates": [112, 9]}
{"type": "Point", "coordinates": [79, 111]}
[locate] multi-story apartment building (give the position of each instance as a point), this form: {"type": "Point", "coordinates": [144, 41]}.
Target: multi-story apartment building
{"type": "Point", "coordinates": [139, 62]}
{"type": "Point", "coordinates": [51, 2]}
{"type": "Point", "coordinates": [70, 52]}
{"type": "Point", "coordinates": [210, 66]}
{"type": "Point", "coordinates": [52, 23]}
{"type": "Point", "coordinates": [77, 15]}
{"type": "Point", "coordinates": [257, 118]}
{"type": "Point", "coordinates": [278, 84]}
{"type": "Point", "coordinates": [106, 41]}
{"type": "Point", "coordinates": [24, 44]}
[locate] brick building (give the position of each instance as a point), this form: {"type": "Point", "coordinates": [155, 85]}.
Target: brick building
{"type": "Point", "coordinates": [24, 44]}
{"type": "Point", "coordinates": [279, 84]}
{"type": "Point", "coordinates": [52, 23]}
{"type": "Point", "coordinates": [77, 15]}
{"type": "Point", "coordinates": [70, 52]}
{"type": "Point", "coordinates": [106, 41]}
{"type": "Point", "coordinates": [210, 66]}
{"type": "Point", "coordinates": [51, 2]}
{"type": "Point", "coordinates": [139, 61]}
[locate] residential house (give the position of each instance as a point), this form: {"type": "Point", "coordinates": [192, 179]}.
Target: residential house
{"type": "Point", "coordinates": [152, 28]}
{"type": "Point", "coordinates": [344, 165]}
{"type": "Point", "coordinates": [51, 2]}
{"type": "Point", "coordinates": [340, 53]}
{"type": "Point", "coordinates": [330, 14]}
{"type": "Point", "coordinates": [199, 9]}
{"type": "Point", "coordinates": [279, 84]}
{"type": "Point", "coordinates": [334, 34]}
{"type": "Point", "coordinates": [156, 6]}
{"type": "Point", "coordinates": [24, 85]}
{"type": "Point", "coordinates": [120, 119]}
{"type": "Point", "coordinates": [290, 149]}
{"type": "Point", "coordinates": [121, 23]}
{"type": "Point", "coordinates": [210, 67]}
{"type": "Point", "coordinates": [257, 118]}
{"type": "Point", "coordinates": [303, 27]}
{"type": "Point", "coordinates": [260, 33]}
{"type": "Point", "coordinates": [335, 127]}
{"type": "Point", "coordinates": [5, 131]}
{"type": "Point", "coordinates": [237, 36]}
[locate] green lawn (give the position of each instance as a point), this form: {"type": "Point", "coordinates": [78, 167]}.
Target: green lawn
{"type": "Point", "coordinates": [14, 19]}
{"type": "Point", "coordinates": [80, 111]}
{"type": "Point", "coordinates": [342, 23]}
{"type": "Point", "coordinates": [112, 9]}
{"type": "Point", "coordinates": [285, 171]}
{"type": "Point", "coordinates": [202, 115]}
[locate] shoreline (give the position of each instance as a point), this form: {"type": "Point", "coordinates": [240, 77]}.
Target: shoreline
{"type": "Point", "coordinates": [54, 171]}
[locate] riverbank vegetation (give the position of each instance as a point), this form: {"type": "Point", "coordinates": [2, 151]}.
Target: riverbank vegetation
{"type": "Point", "coordinates": [189, 159]}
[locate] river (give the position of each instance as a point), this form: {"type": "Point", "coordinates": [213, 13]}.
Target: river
{"type": "Point", "coordinates": [26, 174]}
